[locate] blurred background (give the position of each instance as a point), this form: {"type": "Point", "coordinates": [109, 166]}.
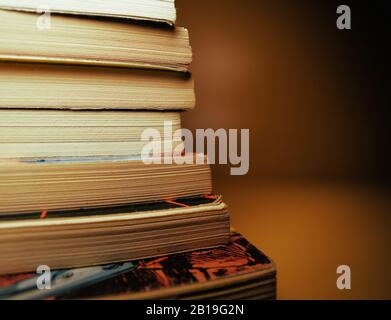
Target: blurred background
{"type": "Point", "coordinates": [316, 101]}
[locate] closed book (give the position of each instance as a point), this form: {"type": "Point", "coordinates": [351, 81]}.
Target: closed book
{"type": "Point", "coordinates": [149, 10]}
{"type": "Point", "coordinates": [236, 270]}
{"type": "Point", "coordinates": [52, 185]}
{"type": "Point", "coordinates": [92, 41]}
{"type": "Point", "coordinates": [63, 239]}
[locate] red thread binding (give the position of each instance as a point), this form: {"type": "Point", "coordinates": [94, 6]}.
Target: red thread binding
{"type": "Point", "coordinates": [43, 214]}
{"type": "Point", "coordinates": [171, 201]}
{"type": "Point", "coordinates": [210, 196]}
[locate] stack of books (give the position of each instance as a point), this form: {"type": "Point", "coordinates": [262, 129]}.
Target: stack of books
{"type": "Point", "coordinates": [80, 84]}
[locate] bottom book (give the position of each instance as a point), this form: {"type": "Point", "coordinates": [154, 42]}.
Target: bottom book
{"type": "Point", "coordinates": [237, 270]}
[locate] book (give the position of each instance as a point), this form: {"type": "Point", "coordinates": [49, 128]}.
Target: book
{"type": "Point", "coordinates": [237, 270]}
{"type": "Point", "coordinates": [107, 235]}
{"type": "Point", "coordinates": [46, 86]}
{"type": "Point", "coordinates": [60, 134]}
{"type": "Point", "coordinates": [81, 40]}
{"type": "Point", "coordinates": [76, 194]}
{"type": "Point", "coordinates": [52, 185]}
{"type": "Point", "coordinates": [151, 10]}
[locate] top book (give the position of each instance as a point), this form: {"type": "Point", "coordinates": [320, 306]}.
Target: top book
{"type": "Point", "coordinates": [150, 10]}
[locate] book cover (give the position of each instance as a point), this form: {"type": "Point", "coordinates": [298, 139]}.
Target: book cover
{"type": "Point", "coordinates": [180, 275]}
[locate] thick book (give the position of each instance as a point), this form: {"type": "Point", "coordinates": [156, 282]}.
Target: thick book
{"type": "Point", "coordinates": [80, 40]}
{"type": "Point", "coordinates": [150, 10]}
{"type": "Point", "coordinates": [52, 86]}
{"type": "Point", "coordinates": [100, 236]}
{"type": "Point", "coordinates": [237, 270]}
{"type": "Point", "coordinates": [52, 185]}
{"type": "Point", "coordinates": [42, 134]}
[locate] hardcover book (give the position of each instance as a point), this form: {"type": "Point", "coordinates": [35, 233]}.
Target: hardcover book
{"type": "Point", "coordinates": [237, 270]}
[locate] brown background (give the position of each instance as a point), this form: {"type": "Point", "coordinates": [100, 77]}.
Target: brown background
{"type": "Point", "coordinates": [315, 100]}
